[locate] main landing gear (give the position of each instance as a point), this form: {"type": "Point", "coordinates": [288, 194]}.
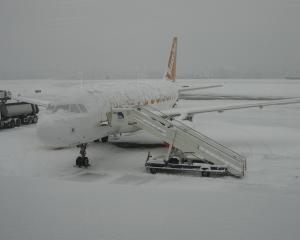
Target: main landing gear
{"type": "Point", "coordinates": [82, 160]}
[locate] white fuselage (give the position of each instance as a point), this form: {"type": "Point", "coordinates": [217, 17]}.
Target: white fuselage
{"type": "Point", "coordinates": [81, 116]}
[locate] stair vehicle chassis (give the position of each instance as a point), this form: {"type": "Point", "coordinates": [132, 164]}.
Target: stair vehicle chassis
{"type": "Point", "coordinates": [184, 164]}
{"type": "Point", "coordinates": [182, 139]}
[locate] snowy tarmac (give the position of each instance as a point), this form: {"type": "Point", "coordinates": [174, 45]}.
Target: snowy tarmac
{"type": "Point", "coordinates": [42, 196]}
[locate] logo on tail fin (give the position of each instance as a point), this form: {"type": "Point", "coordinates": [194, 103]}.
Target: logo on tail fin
{"type": "Point", "coordinates": [171, 71]}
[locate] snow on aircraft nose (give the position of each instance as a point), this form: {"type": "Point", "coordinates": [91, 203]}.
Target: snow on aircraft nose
{"type": "Point", "coordinates": [54, 133]}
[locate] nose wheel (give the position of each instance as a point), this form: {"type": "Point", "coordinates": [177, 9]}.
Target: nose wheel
{"type": "Point", "coordinates": [82, 160]}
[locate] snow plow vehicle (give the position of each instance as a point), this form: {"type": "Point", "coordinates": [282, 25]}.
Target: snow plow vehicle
{"type": "Point", "coordinates": [183, 164]}
{"type": "Point", "coordinates": [15, 114]}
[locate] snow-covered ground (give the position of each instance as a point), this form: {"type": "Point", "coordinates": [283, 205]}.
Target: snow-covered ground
{"type": "Point", "coordinates": [42, 196]}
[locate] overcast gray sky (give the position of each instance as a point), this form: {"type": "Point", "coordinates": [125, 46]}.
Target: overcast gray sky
{"type": "Point", "coordinates": [94, 38]}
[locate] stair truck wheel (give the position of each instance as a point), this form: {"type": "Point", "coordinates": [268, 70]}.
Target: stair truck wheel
{"type": "Point", "coordinates": [205, 174]}
{"type": "Point", "coordinates": [152, 170]}
{"type": "Point", "coordinates": [104, 139]}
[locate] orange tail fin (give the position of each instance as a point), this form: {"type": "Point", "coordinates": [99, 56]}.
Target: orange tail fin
{"type": "Point", "coordinates": [171, 70]}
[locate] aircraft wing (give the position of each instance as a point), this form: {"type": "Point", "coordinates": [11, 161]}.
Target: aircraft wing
{"type": "Point", "coordinates": [188, 113]}
{"type": "Point", "coordinates": [196, 96]}
{"type": "Point", "coordinates": [188, 88]}
{"type": "Point", "coordinates": [185, 95]}
{"type": "Point", "coordinates": [39, 102]}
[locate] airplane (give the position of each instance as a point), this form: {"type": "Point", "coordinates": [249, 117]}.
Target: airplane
{"type": "Point", "coordinates": [82, 115]}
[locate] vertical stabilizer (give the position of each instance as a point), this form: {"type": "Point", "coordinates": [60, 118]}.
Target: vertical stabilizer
{"type": "Point", "coordinates": [171, 70]}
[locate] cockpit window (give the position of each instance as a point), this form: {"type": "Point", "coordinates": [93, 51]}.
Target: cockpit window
{"type": "Point", "coordinates": [73, 108]}
{"type": "Point", "coordinates": [82, 108]}
{"type": "Point", "coordinates": [50, 107]}
{"type": "Point", "coordinates": [61, 107]}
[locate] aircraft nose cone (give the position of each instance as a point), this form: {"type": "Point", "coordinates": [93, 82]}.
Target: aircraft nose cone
{"type": "Point", "coordinates": [51, 133]}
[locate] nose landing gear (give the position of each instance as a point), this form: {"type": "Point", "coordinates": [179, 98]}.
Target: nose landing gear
{"type": "Point", "coordinates": [82, 160]}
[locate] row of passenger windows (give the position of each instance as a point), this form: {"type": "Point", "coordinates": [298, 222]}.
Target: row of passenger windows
{"type": "Point", "coordinates": [153, 101]}
{"type": "Point", "coordinates": [74, 108]}
{"type": "Point", "coordinates": [158, 100]}
{"type": "Point", "coordinates": [79, 108]}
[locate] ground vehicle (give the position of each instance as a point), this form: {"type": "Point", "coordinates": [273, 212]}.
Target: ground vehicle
{"type": "Point", "coordinates": [14, 114]}
{"type": "Point", "coordinates": [4, 96]}
{"type": "Point", "coordinates": [183, 164]}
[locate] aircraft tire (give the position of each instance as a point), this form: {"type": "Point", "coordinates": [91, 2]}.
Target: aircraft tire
{"type": "Point", "coordinates": [85, 162]}
{"type": "Point", "coordinates": [79, 161]}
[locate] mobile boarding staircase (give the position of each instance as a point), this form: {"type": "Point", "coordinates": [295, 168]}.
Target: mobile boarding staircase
{"type": "Point", "coordinates": [184, 138]}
